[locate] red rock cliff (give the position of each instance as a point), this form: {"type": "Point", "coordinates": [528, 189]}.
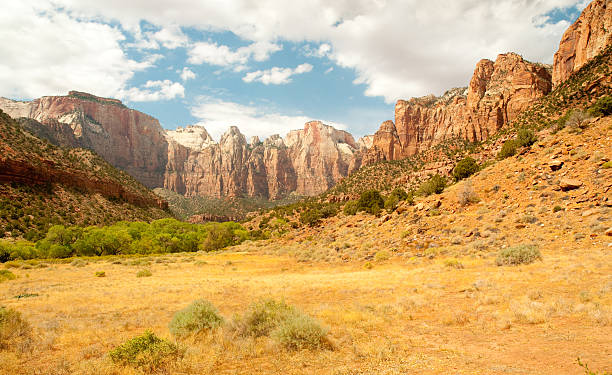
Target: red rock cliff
{"type": "Point", "coordinates": [585, 39]}
{"type": "Point", "coordinates": [497, 93]}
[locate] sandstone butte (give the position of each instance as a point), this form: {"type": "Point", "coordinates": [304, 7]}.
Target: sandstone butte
{"type": "Point", "coordinates": [310, 160]}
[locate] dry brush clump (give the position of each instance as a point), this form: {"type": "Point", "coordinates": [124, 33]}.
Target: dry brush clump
{"type": "Point", "coordinates": [147, 352]}
{"type": "Point", "coordinates": [287, 325]}
{"type": "Point", "coordinates": [521, 254]}
{"type": "Point", "coordinates": [15, 331]}
{"type": "Point", "coordinates": [199, 317]}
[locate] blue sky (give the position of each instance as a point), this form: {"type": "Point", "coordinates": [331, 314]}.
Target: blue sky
{"type": "Point", "coordinates": [266, 67]}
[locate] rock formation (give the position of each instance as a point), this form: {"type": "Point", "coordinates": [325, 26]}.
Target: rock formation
{"type": "Point", "coordinates": [187, 160]}
{"type": "Point", "coordinates": [585, 39]}
{"type": "Point", "coordinates": [497, 93]}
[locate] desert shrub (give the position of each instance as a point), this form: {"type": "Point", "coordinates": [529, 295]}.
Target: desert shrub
{"type": "Point", "coordinates": [15, 331]}
{"type": "Point", "coordinates": [391, 203]}
{"type": "Point", "coordinates": [5, 251]}
{"type": "Point", "coordinates": [382, 255]}
{"type": "Point", "coordinates": [289, 326]}
{"type": "Point", "coordinates": [521, 254]}
{"type": "Point", "coordinates": [465, 168]}
{"type": "Point", "coordinates": [371, 202]}
{"type": "Point", "coordinates": [453, 263]}
{"type": "Point", "coordinates": [399, 193]}
{"type": "Point", "coordinates": [602, 107]}
{"type": "Point", "coordinates": [262, 317]}
{"type": "Point", "coordinates": [300, 331]}
{"type": "Point", "coordinates": [508, 149]}
{"type": "Point", "coordinates": [196, 318]}
{"type": "Point", "coordinates": [144, 273]}
{"type": "Point", "coordinates": [311, 217]}
{"type": "Point", "coordinates": [100, 274]}
{"type": "Point", "coordinates": [466, 194]}
{"type": "Point", "coordinates": [147, 352]}
{"type": "Point", "coordinates": [607, 165]}
{"type": "Point", "coordinates": [578, 120]}
{"type": "Point", "coordinates": [557, 209]}
{"type": "Point", "coordinates": [410, 197]}
{"type": "Point", "coordinates": [351, 208]}
{"type": "Point", "coordinates": [525, 138]}
{"type": "Point", "coordinates": [435, 185]}
{"type": "Point", "coordinates": [6, 275]}
{"type": "Point", "coordinates": [329, 210]}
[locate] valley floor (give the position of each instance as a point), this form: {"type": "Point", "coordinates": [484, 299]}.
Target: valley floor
{"type": "Point", "coordinates": [401, 316]}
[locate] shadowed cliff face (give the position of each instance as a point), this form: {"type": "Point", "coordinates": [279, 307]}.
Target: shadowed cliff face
{"type": "Point", "coordinates": [497, 93]}
{"type": "Point", "coordinates": [585, 39]}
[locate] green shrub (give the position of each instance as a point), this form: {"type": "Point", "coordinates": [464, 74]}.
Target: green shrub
{"type": "Point", "coordinates": [311, 217]}
{"type": "Point", "coordinates": [351, 208]}
{"type": "Point", "coordinates": [399, 193]}
{"type": "Point", "coordinates": [100, 274]}
{"type": "Point", "coordinates": [144, 273]}
{"type": "Point", "coordinates": [300, 331]}
{"type": "Point", "coordinates": [264, 316]}
{"type": "Point", "coordinates": [465, 168]}
{"type": "Point", "coordinates": [557, 208]}
{"type": "Point", "coordinates": [200, 316]}
{"type": "Point", "coordinates": [15, 332]}
{"type": "Point", "coordinates": [382, 255]}
{"type": "Point", "coordinates": [607, 165]}
{"type": "Point", "coordinates": [147, 352]}
{"type": "Point", "coordinates": [371, 202]}
{"type": "Point", "coordinates": [521, 254]}
{"type": "Point", "coordinates": [284, 323]}
{"type": "Point", "coordinates": [525, 138]}
{"type": "Point", "coordinates": [6, 275]}
{"type": "Point", "coordinates": [329, 210]}
{"type": "Point", "coordinates": [410, 197]}
{"type": "Point", "coordinates": [508, 149]}
{"type": "Point", "coordinates": [391, 203]}
{"type": "Point", "coordinates": [603, 106]}
{"type": "Point", "coordinates": [435, 185]}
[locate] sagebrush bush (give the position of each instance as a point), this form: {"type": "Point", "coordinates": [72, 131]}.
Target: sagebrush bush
{"type": "Point", "coordinates": [15, 331]}
{"type": "Point", "coordinates": [200, 316]}
{"type": "Point", "coordinates": [525, 138]}
{"type": "Point", "coordinates": [382, 256]}
{"type": "Point", "coordinates": [300, 331]}
{"type": "Point", "coordinates": [578, 120]}
{"type": "Point", "coordinates": [289, 326]}
{"type": "Point", "coordinates": [391, 203]}
{"type": "Point", "coordinates": [435, 185]}
{"type": "Point", "coordinates": [264, 316]}
{"type": "Point", "coordinates": [521, 254]}
{"type": "Point", "coordinates": [465, 168]}
{"type": "Point", "coordinates": [6, 275]}
{"type": "Point", "coordinates": [466, 194]}
{"type": "Point", "coordinates": [508, 149]}
{"type": "Point", "coordinates": [100, 274]}
{"type": "Point", "coordinates": [147, 352]}
{"type": "Point", "coordinates": [144, 273]}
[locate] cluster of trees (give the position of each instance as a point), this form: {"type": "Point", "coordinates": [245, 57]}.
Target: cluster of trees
{"type": "Point", "coordinates": [160, 236]}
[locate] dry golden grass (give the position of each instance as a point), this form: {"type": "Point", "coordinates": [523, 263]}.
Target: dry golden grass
{"type": "Point", "coordinates": [398, 317]}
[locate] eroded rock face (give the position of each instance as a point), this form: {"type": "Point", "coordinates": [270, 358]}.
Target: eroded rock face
{"type": "Point", "coordinates": [128, 139]}
{"type": "Point", "coordinates": [585, 39]}
{"type": "Point", "coordinates": [307, 162]}
{"type": "Point", "coordinates": [497, 93]}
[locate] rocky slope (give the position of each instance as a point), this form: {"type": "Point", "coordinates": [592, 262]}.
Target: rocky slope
{"type": "Point", "coordinates": [41, 184]}
{"type": "Point", "coordinates": [497, 93]}
{"type": "Point", "coordinates": [585, 39]}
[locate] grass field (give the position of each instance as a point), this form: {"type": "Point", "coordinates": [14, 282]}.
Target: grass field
{"type": "Point", "coordinates": [404, 315]}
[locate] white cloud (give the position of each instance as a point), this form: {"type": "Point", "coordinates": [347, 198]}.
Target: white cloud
{"type": "Point", "coordinates": [46, 52]}
{"type": "Point", "coordinates": [170, 37]}
{"type": "Point", "coordinates": [276, 75]}
{"type": "Point", "coordinates": [398, 48]}
{"type": "Point", "coordinates": [217, 116]}
{"type": "Point", "coordinates": [329, 70]}
{"type": "Point", "coordinates": [154, 91]}
{"type": "Point", "coordinates": [323, 50]}
{"type": "Point", "coordinates": [187, 74]}
{"type": "Point", "coordinates": [222, 55]}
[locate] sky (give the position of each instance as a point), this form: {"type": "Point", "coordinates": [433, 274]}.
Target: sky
{"type": "Point", "coordinates": [266, 66]}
